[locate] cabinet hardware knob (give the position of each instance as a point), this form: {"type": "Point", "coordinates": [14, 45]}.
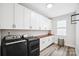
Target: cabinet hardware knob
{"type": "Point", "coordinates": [14, 26]}
{"type": "Point", "coordinates": [30, 26]}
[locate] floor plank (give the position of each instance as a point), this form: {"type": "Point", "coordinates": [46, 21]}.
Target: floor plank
{"type": "Point", "coordinates": [55, 50]}
{"type": "Point", "coordinates": [71, 51]}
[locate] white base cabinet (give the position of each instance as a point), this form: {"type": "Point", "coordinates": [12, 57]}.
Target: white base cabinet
{"type": "Point", "coordinates": [45, 42]}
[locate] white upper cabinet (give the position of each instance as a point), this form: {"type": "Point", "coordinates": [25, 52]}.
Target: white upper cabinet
{"type": "Point", "coordinates": [49, 24]}
{"type": "Point", "coordinates": [19, 16]}
{"type": "Point", "coordinates": [34, 21]}
{"type": "Point", "coordinates": [6, 15]}
{"type": "Point", "coordinates": [45, 23]}
{"type": "Point", "coordinates": [42, 22]}
{"type": "Point", "coordinates": [27, 18]}
{"type": "Point", "coordinates": [16, 16]}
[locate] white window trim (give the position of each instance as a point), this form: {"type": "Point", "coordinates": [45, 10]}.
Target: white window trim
{"type": "Point", "coordinates": [62, 28]}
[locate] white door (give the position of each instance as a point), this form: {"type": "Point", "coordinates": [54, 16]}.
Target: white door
{"type": "Point", "coordinates": [6, 15]}
{"type": "Point", "coordinates": [77, 33]}
{"type": "Point", "coordinates": [77, 38]}
{"type": "Point", "coordinates": [27, 18]}
{"type": "Point", "coordinates": [19, 16]}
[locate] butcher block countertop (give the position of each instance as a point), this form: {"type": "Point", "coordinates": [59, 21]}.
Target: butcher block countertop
{"type": "Point", "coordinates": [43, 36]}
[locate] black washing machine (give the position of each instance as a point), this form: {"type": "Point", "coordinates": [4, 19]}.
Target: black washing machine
{"type": "Point", "coordinates": [13, 46]}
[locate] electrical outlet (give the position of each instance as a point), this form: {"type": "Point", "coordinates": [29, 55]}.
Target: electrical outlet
{"type": "Point", "coordinates": [8, 33]}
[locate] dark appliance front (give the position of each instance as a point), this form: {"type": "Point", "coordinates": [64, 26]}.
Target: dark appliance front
{"type": "Point", "coordinates": [14, 47]}
{"type": "Point", "coordinates": [33, 45]}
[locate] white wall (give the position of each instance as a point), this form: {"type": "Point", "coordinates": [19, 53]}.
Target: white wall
{"type": "Point", "coordinates": [77, 38]}
{"type": "Point", "coordinates": [70, 37]}
{"type": "Point", "coordinates": [77, 33]}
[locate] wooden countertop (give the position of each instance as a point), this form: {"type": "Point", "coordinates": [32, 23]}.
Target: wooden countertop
{"type": "Point", "coordinates": [43, 36]}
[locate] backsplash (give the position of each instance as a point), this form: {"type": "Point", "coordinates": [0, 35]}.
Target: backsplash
{"type": "Point", "coordinates": [21, 32]}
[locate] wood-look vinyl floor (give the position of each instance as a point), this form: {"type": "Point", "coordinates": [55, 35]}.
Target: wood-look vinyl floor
{"type": "Point", "coordinates": [55, 50]}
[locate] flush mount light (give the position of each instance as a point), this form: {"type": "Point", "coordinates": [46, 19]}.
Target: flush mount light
{"type": "Point", "coordinates": [49, 5]}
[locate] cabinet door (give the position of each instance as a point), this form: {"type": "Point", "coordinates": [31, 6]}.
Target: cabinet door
{"type": "Point", "coordinates": [38, 22]}
{"type": "Point", "coordinates": [49, 24]}
{"type": "Point", "coordinates": [42, 43]}
{"type": "Point", "coordinates": [42, 24]}
{"type": "Point", "coordinates": [6, 15]}
{"type": "Point", "coordinates": [27, 18]}
{"type": "Point", "coordinates": [46, 23]}
{"type": "Point", "coordinates": [45, 42]}
{"type": "Point", "coordinates": [34, 22]}
{"type": "Point", "coordinates": [19, 16]}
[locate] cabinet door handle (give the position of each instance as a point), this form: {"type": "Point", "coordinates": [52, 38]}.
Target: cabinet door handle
{"type": "Point", "coordinates": [30, 27]}
{"type": "Point", "coordinates": [14, 26]}
{"type": "Point", "coordinates": [0, 26]}
{"type": "Point", "coordinates": [39, 27]}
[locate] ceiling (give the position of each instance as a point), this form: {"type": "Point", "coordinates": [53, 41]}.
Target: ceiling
{"type": "Point", "coordinates": [57, 9]}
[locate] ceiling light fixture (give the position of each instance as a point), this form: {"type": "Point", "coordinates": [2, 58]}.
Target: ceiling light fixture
{"type": "Point", "coordinates": [49, 5]}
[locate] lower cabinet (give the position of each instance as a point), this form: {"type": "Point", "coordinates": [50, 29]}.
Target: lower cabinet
{"type": "Point", "coordinates": [45, 42]}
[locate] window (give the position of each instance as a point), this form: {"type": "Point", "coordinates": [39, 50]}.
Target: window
{"type": "Point", "coordinates": [61, 27]}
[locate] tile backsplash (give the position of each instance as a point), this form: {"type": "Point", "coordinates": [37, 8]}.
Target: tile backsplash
{"type": "Point", "coordinates": [22, 32]}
